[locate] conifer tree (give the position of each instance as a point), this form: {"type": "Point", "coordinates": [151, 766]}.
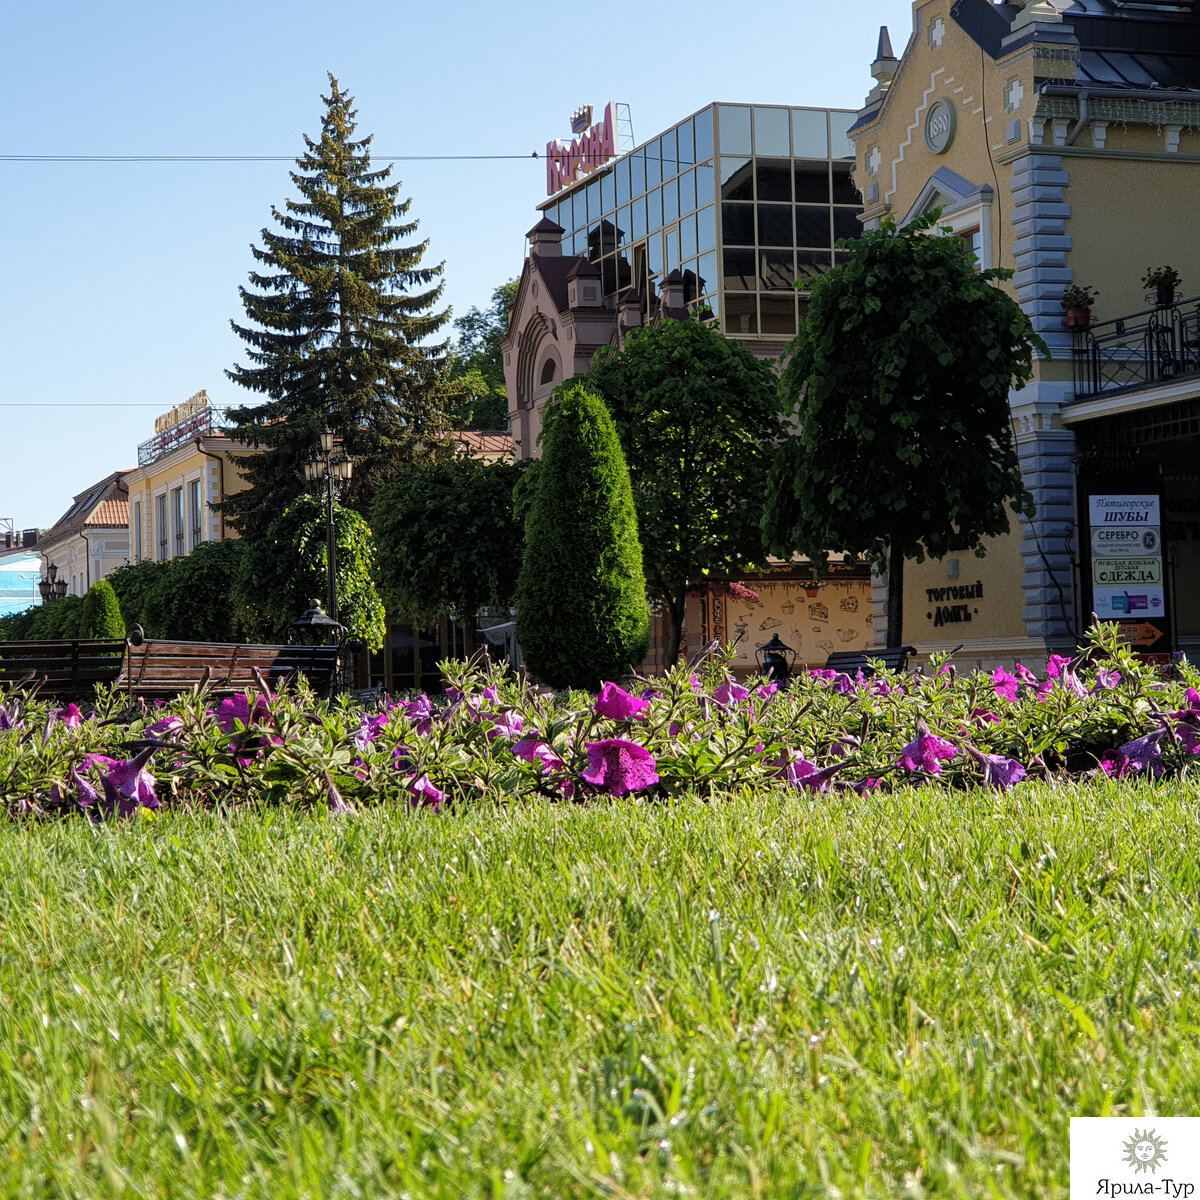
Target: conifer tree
{"type": "Point", "coordinates": [100, 615]}
{"type": "Point", "coordinates": [338, 326]}
{"type": "Point", "coordinates": [582, 616]}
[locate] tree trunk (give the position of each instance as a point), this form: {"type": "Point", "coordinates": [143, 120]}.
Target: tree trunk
{"type": "Point", "coordinates": [674, 605]}
{"type": "Point", "coordinates": [895, 596]}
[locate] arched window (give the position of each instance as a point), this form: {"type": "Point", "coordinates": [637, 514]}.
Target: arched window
{"type": "Point", "coordinates": [547, 372]}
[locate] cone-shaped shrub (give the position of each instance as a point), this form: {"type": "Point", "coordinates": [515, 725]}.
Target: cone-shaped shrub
{"type": "Point", "coordinates": [101, 614]}
{"type": "Point", "coordinates": [581, 595]}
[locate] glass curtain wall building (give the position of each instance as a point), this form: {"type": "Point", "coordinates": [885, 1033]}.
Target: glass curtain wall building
{"type": "Point", "coordinates": [743, 199]}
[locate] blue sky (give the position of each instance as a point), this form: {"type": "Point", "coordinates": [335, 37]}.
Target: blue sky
{"type": "Point", "coordinates": [120, 279]}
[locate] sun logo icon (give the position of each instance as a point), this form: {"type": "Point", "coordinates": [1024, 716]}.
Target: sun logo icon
{"type": "Point", "coordinates": [1145, 1150]}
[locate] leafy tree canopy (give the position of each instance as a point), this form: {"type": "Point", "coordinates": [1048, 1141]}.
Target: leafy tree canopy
{"type": "Point", "coordinates": [447, 539]}
{"type": "Point", "coordinates": [281, 573]}
{"type": "Point", "coordinates": [100, 615]}
{"type": "Point", "coordinates": [338, 328]}
{"type": "Point", "coordinates": [477, 362]}
{"type": "Point", "coordinates": [581, 599]}
{"type": "Point", "coordinates": [898, 382]}
{"type": "Point", "coordinates": [697, 414]}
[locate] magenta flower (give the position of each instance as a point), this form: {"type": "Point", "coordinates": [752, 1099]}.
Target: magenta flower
{"type": "Point", "coordinates": [80, 791]}
{"type": "Point", "coordinates": [237, 708]}
{"type": "Point", "coordinates": [70, 716]}
{"type": "Point", "coordinates": [532, 751]}
{"type": "Point", "coordinates": [730, 694]}
{"type": "Point", "coordinates": [926, 752]}
{"type": "Point", "coordinates": [1004, 684]}
{"type": "Point", "coordinates": [162, 727]}
{"type": "Point", "coordinates": [619, 767]}
{"type": "Point", "coordinates": [128, 786]}
{"type": "Point", "coordinates": [419, 712]}
{"type": "Point", "coordinates": [983, 716]}
{"type": "Point", "coordinates": [618, 704]}
{"type": "Point", "coordinates": [425, 795]}
{"type": "Point", "coordinates": [1189, 737]}
{"type": "Point", "coordinates": [368, 730]}
{"type": "Point", "coordinates": [1142, 754]}
{"type": "Point", "coordinates": [998, 770]}
{"type": "Point", "coordinates": [506, 725]}
{"type": "Point", "coordinates": [1064, 679]}
{"type": "Point", "coordinates": [1024, 674]}
{"type": "Point", "coordinates": [800, 773]}
{"type": "Point", "coordinates": [766, 689]}
{"type": "Point", "coordinates": [1106, 681]}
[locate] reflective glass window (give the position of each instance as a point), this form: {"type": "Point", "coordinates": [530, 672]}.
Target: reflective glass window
{"type": "Point", "coordinates": [671, 237]}
{"type": "Point", "coordinates": [773, 178]}
{"type": "Point", "coordinates": [740, 270]}
{"type": "Point", "coordinates": [691, 282]}
{"type": "Point", "coordinates": [771, 131]}
{"type": "Point", "coordinates": [687, 151]}
{"type": "Point", "coordinates": [609, 275]}
{"type": "Point", "coordinates": [737, 224]}
{"type": "Point", "coordinates": [670, 202]}
{"type": "Point", "coordinates": [688, 246]}
{"type": "Point", "coordinates": [670, 154]}
{"type": "Point", "coordinates": [774, 225]}
{"type": "Point", "coordinates": [578, 211]}
{"type": "Point", "coordinates": [654, 254]}
{"type": "Point", "coordinates": [741, 313]}
{"type": "Point", "coordinates": [624, 224]}
{"type": "Point", "coordinates": [706, 228]}
{"type": "Point", "coordinates": [606, 193]}
{"type": "Point", "coordinates": [734, 129]}
{"type": "Point", "coordinates": [811, 263]}
{"type": "Point", "coordinates": [812, 226]}
{"type": "Point", "coordinates": [714, 305]}
{"type": "Point", "coordinates": [707, 270]}
{"type": "Point", "coordinates": [654, 209]}
{"type": "Point", "coordinates": [639, 218]}
{"type": "Point", "coordinates": [594, 211]}
{"type": "Point", "coordinates": [810, 133]}
{"type": "Point", "coordinates": [687, 191]}
{"type": "Point", "coordinates": [637, 173]}
{"type": "Point", "coordinates": [737, 179]}
{"type": "Point", "coordinates": [702, 124]}
{"type": "Point", "coordinates": [845, 224]}
{"type": "Point", "coordinates": [841, 145]}
{"type": "Point", "coordinates": [844, 191]}
{"type": "Point", "coordinates": [622, 174]}
{"type": "Point", "coordinates": [778, 315]}
{"type": "Point", "coordinates": [705, 182]}
{"type": "Point", "coordinates": [812, 183]}
{"type": "Point", "coordinates": [776, 269]}
{"type": "Point", "coordinates": [653, 164]}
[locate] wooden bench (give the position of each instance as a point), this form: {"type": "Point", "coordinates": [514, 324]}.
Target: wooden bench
{"type": "Point", "coordinates": [156, 667]}
{"type": "Point", "coordinates": [895, 658]}
{"type": "Point", "coordinates": [69, 669]}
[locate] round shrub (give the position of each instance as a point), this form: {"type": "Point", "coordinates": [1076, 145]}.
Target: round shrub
{"type": "Point", "coordinates": [100, 616]}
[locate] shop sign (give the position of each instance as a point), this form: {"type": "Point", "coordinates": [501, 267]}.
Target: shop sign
{"type": "Point", "coordinates": [1125, 571]}
{"type": "Point", "coordinates": [568, 161]}
{"type": "Point", "coordinates": [1129, 541]}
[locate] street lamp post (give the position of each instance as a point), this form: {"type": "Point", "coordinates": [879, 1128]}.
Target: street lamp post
{"type": "Point", "coordinates": [52, 588]}
{"type": "Point", "coordinates": [332, 472]}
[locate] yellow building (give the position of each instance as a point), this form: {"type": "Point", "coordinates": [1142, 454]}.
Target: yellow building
{"type": "Point", "coordinates": [1062, 140]}
{"type": "Point", "coordinates": [183, 472]}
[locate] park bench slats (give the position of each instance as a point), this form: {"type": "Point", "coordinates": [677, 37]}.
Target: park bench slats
{"type": "Point", "coordinates": [895, 658]}
{"type": "Point", "coordinates": [70, 667]}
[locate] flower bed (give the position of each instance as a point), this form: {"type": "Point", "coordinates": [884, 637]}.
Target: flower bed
{"type": "Point", "coordinates": [698, 731]}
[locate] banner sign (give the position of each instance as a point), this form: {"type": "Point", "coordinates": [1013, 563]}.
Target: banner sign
{"type": "Point", "coordinates": [568, 161]}
{"type": "Point", "coordinates": [1126, 576]}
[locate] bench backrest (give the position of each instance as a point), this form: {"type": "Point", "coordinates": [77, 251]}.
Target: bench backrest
{"type": "Point", "coordinates": [895, 658]}
{"type": "Point", "coordinates": [65, 666]}
{"type": "Point", "coordinates": [159, 667]}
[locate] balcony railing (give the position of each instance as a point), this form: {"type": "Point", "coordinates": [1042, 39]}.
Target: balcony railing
{"type": "Point", "coordinates": [1136, 351]}
{"type": "Point", "coordinates": [199, 424]}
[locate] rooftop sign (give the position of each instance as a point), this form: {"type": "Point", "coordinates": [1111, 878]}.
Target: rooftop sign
{"type": "Point", "coordinates": [184, 423]}
{"type": "Point", "coordinates": [568, 161]}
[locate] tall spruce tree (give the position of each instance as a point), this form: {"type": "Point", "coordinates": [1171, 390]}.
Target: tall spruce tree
{"type": "Point", "coordinates": [338, 326]}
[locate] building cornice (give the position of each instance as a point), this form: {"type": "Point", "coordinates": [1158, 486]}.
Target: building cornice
{"type": "Point", "coordinates": [1134, 400]}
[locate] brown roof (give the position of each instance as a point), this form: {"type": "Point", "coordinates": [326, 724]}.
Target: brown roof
{"type": "Point", "coordinates": [485, 443]}
{"type": "Point", "coordinates": [554, 270]}
{"type": "Point", "coordinates": [87, 504]}
{"type": "Point", "coordinates": [109, 512]}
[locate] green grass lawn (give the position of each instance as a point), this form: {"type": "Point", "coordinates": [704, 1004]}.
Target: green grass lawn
{"type": "Point", "coordinates": [888, 995]}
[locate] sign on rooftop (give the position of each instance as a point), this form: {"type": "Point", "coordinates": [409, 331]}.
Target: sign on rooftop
{"type": "Point", "coordinates": [568, 161]}
{"type": "Point", "coordinates": [194, 418]}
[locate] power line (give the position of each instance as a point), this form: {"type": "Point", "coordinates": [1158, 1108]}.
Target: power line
{"type": "Point", "coordinates": [252, 158]}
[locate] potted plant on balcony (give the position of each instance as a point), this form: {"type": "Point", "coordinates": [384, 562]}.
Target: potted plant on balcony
{"type": "Point", "coordinates": [1078, 302]}
{"type": "Point", "coordinates": [1161, 282]}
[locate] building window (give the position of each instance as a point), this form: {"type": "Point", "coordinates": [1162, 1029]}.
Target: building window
{"type": "Point", "coordinates": [160, 525]}
{"type": "Point", "coordinates": [973, 243]}
{"type": "Point", "coordinates": [137, 531]}
{"type": "Point", "coordinates": [177, 519]}
{"type": "Point", "coordinates": [195, 511]}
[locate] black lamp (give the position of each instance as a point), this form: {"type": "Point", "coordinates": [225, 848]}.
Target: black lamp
{"type": "Point", "coordinates": [776, 659]}
{"type": "Point", "coordinates": [317, 624]}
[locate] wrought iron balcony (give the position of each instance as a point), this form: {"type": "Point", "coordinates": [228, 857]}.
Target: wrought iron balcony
{"type": "Point", "coordinates": [1137, 351]}
{"type": "Point", "coordinates": [201, 423]}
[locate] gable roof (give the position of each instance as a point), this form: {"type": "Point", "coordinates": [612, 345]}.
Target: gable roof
{"type": "Point", "coordinates": [101, 504]}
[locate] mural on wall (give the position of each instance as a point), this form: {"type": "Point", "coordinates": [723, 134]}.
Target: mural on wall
{"type": "Point", "coordinates": [814, 619]}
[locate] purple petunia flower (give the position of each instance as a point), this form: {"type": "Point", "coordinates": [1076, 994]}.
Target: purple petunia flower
{"type": "Point", "coordinates": [1142, 754]}
{"type": "Point", "coordinates": [799, 772]}
{"type": "Point", "coordinates": [81, 791]}
{"type": "Point", "coordinates": [237, 708]}
{"type": "Point", "coordinates": [368, 730]}
{"type": "Point", "coordinates": [70, 716]}
{"type": "Point", "coordinates": [765, 690]}
{"type": "Point", "coordinates": [507, 725]}
{"type": "Point", "coordinates": [618, 704]}
{"type": "Point", "coordinates": [730, 694]}
{"type": "Point", "coordinates": [998, 770]}
{"type": "Point", "coordinates": [1024, 674]}
{"type": "Point", "coordinates": [1106, 681]}
{"type": "Point", "coordinates": [619, 767]}
{"type": "Point", "coordinates": [8, 717]}
{"type": "Point", "coordinates": [984, 716]}
{"type": "Point", "coordinates": [128, 786]}
{"type": "Point", "coordinates": [1004, 684]}
{"type": "Point", "coordinates": [425, 795]}
{"type": "Point", "coordinates": [926, 752]}
{"type": "Point", "coordinates": [1056, 664]}
{"type": "Point", "coordinates": [1063, 678]}
{"type": "Point", "coordinates": [531, 750]}
{"type": "Point", "coordinates": [163, 726]}
{"type": "Point", "coordinates": [419, 712]}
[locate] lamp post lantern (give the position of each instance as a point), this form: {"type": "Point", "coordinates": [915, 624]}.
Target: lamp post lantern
{"type": "Point", "coordinates": [332, 471]}
{"type": "Point", "coordinates": [776, 659]}
{"type": "Point", "coordinates": [52, 588]}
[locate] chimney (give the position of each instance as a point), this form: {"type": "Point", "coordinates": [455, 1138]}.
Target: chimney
{"type": "Point", "coordinates": [1034, 15]}
{"type": "Point", "coordinates": [629, 311]}
{"type": "Point", "coordinates": [545, 239]}
{"type": "Point", "coordinates": [884, 68]}
{"type": "Point", "coordinates": [583, 285]}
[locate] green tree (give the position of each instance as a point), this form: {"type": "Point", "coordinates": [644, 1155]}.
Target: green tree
{"type": "Point", "coordinates": [57, 620]}
{"type": "Point", "coordinates": [338, 327]}
{"type": "Point", "coordinates": [447, 539]}
{"type": "Point", "coordinates": [100, 616]}
{"type": "Point", "coordinates": [281, 573]}
{"type": "Point", "coordinates": [899, 381]}
{"type": "Point", "coordinates": [476, 369]}
{"type": "Point", "coordinates": [193, 600]}
{"type": "Point", "coordinates": [581, 595]}
{"type": "Point", "coordinates": [135, 584]}
{"type": "Point", "coordinates": [696, 413]}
